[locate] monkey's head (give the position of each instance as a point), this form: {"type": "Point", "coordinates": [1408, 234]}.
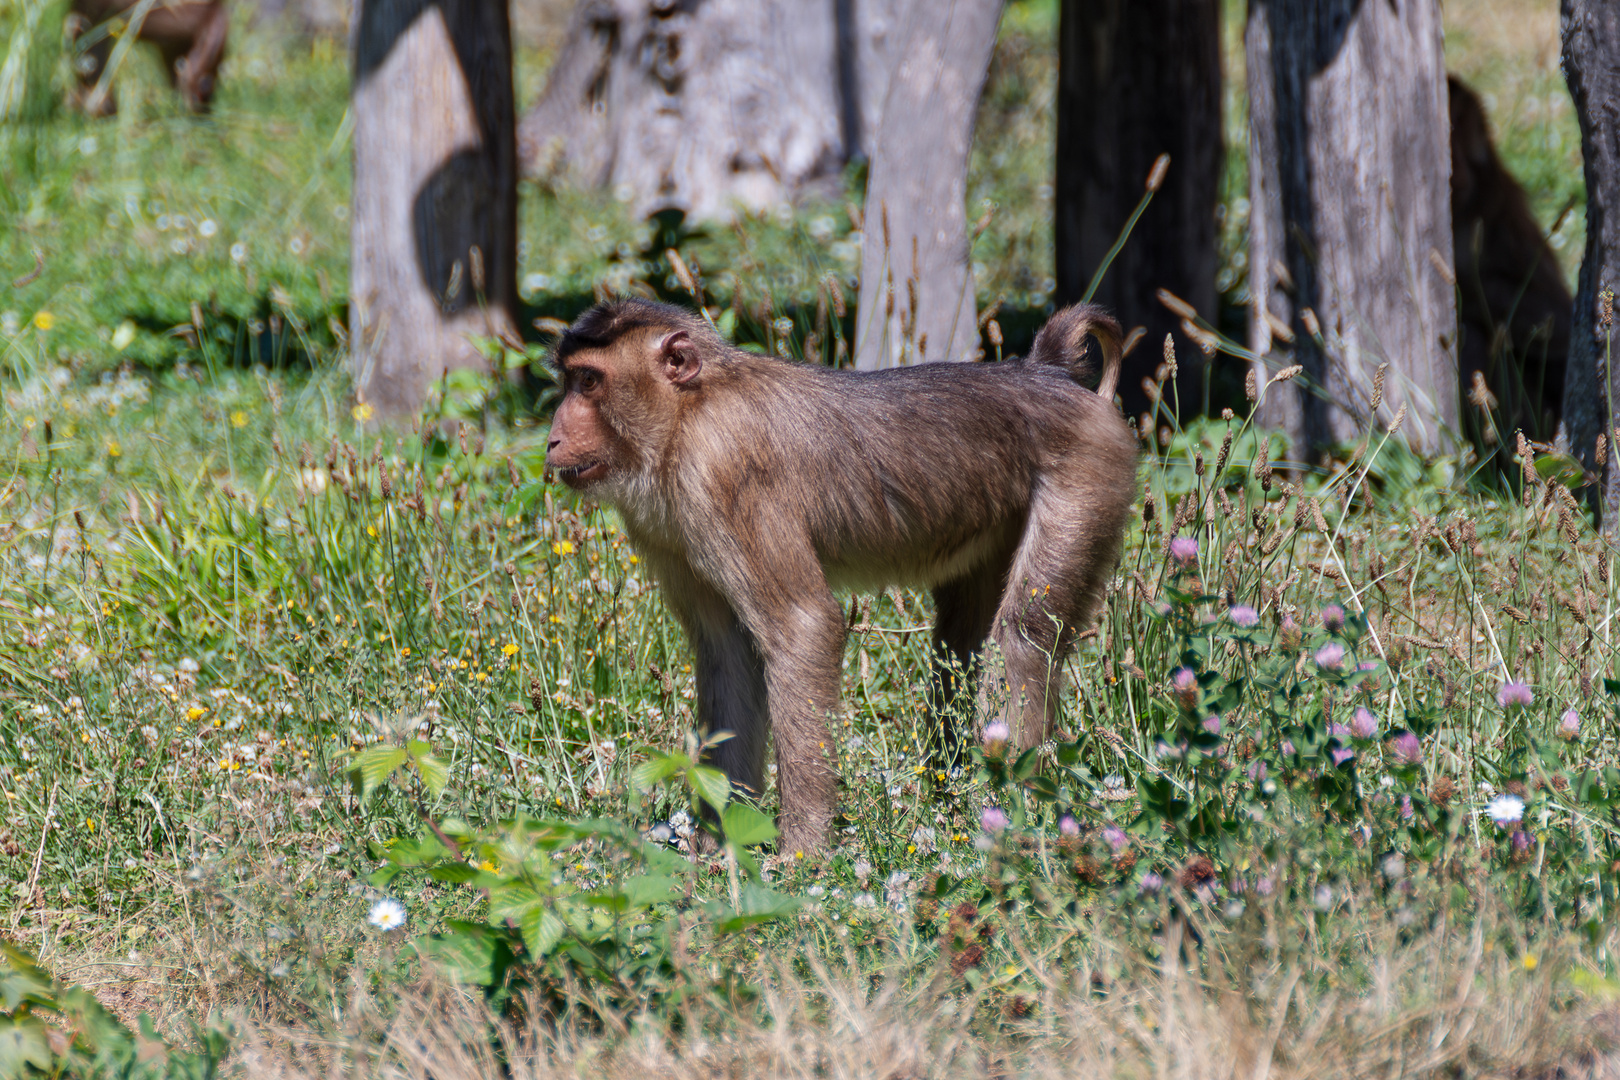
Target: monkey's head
{"type": "Point", "coordinates": [628, 369]}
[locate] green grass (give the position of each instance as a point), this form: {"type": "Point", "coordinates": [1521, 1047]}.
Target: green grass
{"type": "Point", "coordinates": [219, 591]}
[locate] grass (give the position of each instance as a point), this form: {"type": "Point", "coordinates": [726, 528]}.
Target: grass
{"type": "Point", "coordinates": [220, 592]}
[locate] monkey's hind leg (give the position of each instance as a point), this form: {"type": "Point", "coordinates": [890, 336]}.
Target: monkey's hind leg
{"type": "Point", "coordinates": [1053, 588]}
{"type": "Point", "coordinates": [731, 697]}
{"type": "Point", "coordinates": [963, 612]}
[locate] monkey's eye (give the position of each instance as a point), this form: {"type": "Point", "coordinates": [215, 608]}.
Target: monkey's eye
{"type": "Point", "coordinates": [589, 381]}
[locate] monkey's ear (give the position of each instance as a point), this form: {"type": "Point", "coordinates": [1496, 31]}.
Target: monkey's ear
{"type": "Point", "coordinates": [682, 362]}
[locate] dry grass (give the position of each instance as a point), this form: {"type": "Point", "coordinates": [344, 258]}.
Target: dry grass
{"type": "Point", "coordinates": [1448, 1004]}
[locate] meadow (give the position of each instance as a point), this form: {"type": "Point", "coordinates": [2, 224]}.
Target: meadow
{"type": "Point", "coordinates": [325, 749]}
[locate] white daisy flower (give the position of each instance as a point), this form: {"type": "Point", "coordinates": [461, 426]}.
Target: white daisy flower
{"type": "Point", "coordinates": [387, 914]}
{"type": "Point", "coordinates": [1505, 810]}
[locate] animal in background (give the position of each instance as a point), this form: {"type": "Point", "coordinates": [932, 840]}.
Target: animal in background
{"type": "Point", "coordinates": [1514, 309]}
{"type": "Point", "coordinates": [190, 34]}
{"type": "Point", "coordinates": [754, 487]}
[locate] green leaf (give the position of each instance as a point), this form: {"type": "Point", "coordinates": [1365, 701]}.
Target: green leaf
{"type": "Point", "coordinates": [658, 769]}
{"type": "Point", "coordinates": [435, 773]}
{"type": "Point", "coordinates": [1561, 467]}
{"type": "Point", "coordinates": [645, 890]}
{"type": "Point", "coordinates": [541, 931]}
{"type": "Point", "coordinates": [467, 952]}
{"type": "Point", "coordinates": [23, 1043]}
{"type": "Point", "coordinates": [745, 826]}
{"type": "Point", "coordinates": [380, 877]}
{"type": "Point", "coordinates": [454, 873]}
{"type": "Point", "coordinates": [757, 904]}
{"type": "Point", "coordinates": [376, 765]}
{"type": "Point", "coordinates": [711, 784]}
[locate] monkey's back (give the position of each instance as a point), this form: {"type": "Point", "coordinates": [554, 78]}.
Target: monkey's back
{"type": "Point", "coordinates": [912, 475]}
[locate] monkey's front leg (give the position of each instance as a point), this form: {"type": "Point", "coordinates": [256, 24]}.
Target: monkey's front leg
{"type": "Point", "coordinates": [803, 646]}
{"type": "Point", "coordinates": [731, 697]}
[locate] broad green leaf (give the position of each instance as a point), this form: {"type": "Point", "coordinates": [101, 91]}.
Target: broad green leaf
{"type": "Point", "coordinates": [541, 931]}
{"type": "Point", "coordinates": [711, 784]}
{"type": "Point", "coordinates": [657, 769]}
{"type": "Point", "coordinates": [512, 900]}
{"type": "Point", "coordinates": [746, 826]}
{"type": "Point", "coordinates": [380, 877]}
{"type": "Point", "coordinates": [435, 772]}
{"type": "Point", "coordinates": [23, 1043]}
{"type": "Point", "coordinates": [645, 890]}
{"type": "Point", "coordinates": [454, 873]}
{"type": "Point", "coordinates": [608, 899]}
{"type": "Point", "coordinates": [376, 765]}
{"type": "Point", "coordinates": [1560, 467]}
{"type": "Point", "coordinates": [467, 952]}
{"type": "Point", "coordinates": [758, 904]}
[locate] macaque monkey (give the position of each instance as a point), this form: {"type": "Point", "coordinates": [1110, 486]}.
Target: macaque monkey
{"type": "Point", "coordinates": [1508, 281]}
{"type": "Point", "coordinates": [754, 487]}
{"type": "Point", "coordinates": [189, 33]}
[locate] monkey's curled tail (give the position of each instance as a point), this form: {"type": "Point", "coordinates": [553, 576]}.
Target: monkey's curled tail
{"type": "Point", "coordinates": [1062, 343]}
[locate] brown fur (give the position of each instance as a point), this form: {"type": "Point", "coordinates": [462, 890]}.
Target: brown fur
{"type": "Point", "coordinates": [189, 33]}
{"type": "Point", "coordinates": [1515, 309]}
{"type": "Point", "coordinates": [754, 487]}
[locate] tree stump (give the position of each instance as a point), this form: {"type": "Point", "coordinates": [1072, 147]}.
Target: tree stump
{"type": "Point", "coordinates": [1136, 79]}
{"type": "Point", "coordinates": [1351, 217]}
{"type": "Point", "coordinates": [433, 260]}
{"type": "Point", "coordinates": [1591, 33]}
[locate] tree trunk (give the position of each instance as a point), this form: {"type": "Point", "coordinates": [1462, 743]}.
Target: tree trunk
{"type": "Point", "coordinates": [1591, 32]}
{"type": "Point", "coordinates": [434, 229]}
{"type": "Point", "coordinates": [1136, 79]}
{"type": "Point", "coordinates": [917, 300]}
{"type": "Point", "coordinates": [700, 107]}
{"type": "Point", "coordinates": [1349, 187]}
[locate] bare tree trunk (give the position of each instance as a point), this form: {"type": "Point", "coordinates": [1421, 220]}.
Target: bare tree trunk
{"type": "Point", "coordinates": [917, 300]}
{"type": "Point", "coordinates": [1140, 78]}
{"type": "Point", "coordinates": [1349, 188]}
{"type": "Point", "coordinates": [1591, 32]}
{"type": "Point", "coordinates": [433, 247]}
{"type": "Point", "coordinates": [695, 107]}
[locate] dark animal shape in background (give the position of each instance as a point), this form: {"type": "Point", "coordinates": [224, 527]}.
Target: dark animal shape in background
{"type": "Point", "coordinates": [754, 487]}
{"type": "Point", "coordinates": [1514, 308]}
{"type": "Point", "coordinates": [189, 33]}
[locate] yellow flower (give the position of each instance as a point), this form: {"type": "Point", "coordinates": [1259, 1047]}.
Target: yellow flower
{"type": "Point", "coordinates": [113, 449]}
{"type": "Point", "coordinates": [227, 765]}
{"type": "Point", "coordinates": [563, 547]}
{"type": "Point", "coordinates": [371, 531]}
{"type": "Point", "coordinates": [483, 676]}
{"type": "Point", "coordinates": [362, 412]}
{"type": "Point", "coordinates": [44, 320]}
{"type": "Point", "coordinates": [509, 649]}
{"type": "Point", "coordinates": [406, 651]}
{"type": "Point", "coordinates": [488, 866]}
{"type": "Point", "coordinates": [195, 713]}
{"type": "Point", "coordinates": [634, 559]}
{"type": "Point", "coordinates": [1529, 962]}
{"type": "Point", "coordinates": [238, 419]}
{"type": "Point", "coordinates": [90, 823]}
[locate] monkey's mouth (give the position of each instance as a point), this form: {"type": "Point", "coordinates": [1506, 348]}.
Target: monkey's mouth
{"type": "Point", "coordinates": [577, 476]}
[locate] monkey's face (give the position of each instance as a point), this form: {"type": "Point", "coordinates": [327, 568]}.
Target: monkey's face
{"type": "Point", "coordinates": [619, 407]}
{"type": "Point", "coordinates": [581, 446]}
